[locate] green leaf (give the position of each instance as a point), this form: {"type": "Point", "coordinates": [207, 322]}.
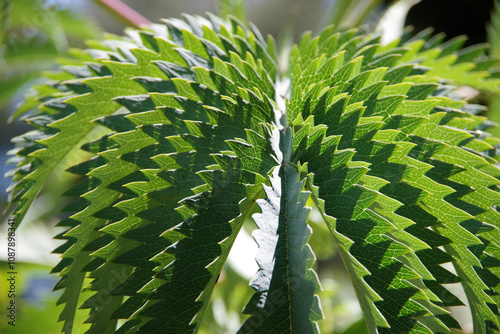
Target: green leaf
{"type": "Point", "coordinates": [201, 134]}
{"type": "Point", "coordinates": [286, 299]}
{"type": "Point", "coordinates": [345, 13]}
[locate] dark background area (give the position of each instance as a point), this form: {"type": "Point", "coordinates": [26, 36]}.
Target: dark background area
{"type": "Point", "coordinates": [453, 17]}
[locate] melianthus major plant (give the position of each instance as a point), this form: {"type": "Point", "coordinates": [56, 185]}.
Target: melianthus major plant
{"type": "Point", "coordinates": [204, 133]}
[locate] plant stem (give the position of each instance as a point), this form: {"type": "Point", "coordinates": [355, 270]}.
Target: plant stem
{"type": "Point", "coordinates": [125, 12]}
{"type": "Point", "coordinates": [235, 8]}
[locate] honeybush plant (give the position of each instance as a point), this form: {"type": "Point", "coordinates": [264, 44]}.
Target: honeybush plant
{"type": "Point", "coordinates": [203, 133]}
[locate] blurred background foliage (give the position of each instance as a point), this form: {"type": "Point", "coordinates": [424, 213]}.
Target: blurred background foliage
{"type": "Point", "coordinates": [34, 33]}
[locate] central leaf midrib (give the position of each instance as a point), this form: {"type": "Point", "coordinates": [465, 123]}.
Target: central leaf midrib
{"type": "Point", "coordinates": [284, 185]}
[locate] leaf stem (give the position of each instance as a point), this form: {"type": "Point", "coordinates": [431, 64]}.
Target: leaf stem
{"type": "Point", "coordinates": [125, 12]}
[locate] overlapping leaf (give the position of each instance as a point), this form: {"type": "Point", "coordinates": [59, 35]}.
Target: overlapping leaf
{"type": "Point", "coordinates": [381, 184]}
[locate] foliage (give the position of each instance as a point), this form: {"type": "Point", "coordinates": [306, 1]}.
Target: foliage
{"type": "Point", "coordinates": [203, 133]}
{"type": "Point", "coordinates": [346, 13]}
{"type": "Point", "coordinates": [33, 34]}
{"type": "Point", "coordinates": [234, 8]}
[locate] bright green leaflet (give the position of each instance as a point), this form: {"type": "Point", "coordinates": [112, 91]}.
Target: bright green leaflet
{"type": "Point", "coordinates": [203, 133]}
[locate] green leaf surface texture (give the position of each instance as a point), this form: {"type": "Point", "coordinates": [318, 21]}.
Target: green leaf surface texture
{"type": "Point", "coordinates": [201, 131]}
